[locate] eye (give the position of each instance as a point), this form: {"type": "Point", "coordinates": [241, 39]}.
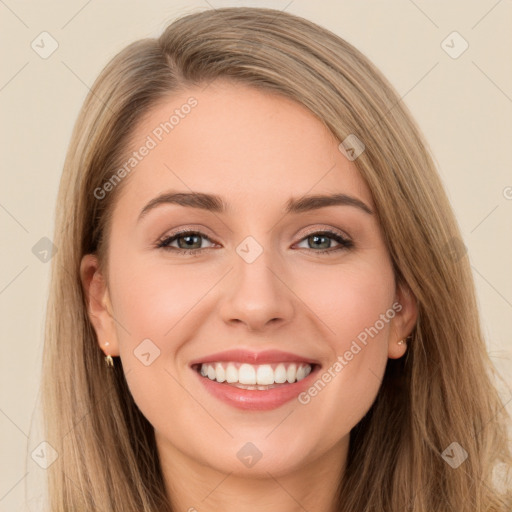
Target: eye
{"type": "Point", "coordinates": [189, 242]}
{"type": "Point", "coordinates": [189, 246]}
{"type": "Point", "coordinates": [322, 238]}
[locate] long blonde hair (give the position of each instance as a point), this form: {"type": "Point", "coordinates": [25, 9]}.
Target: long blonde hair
{"type": "Point", "coordinates": [442, 392]}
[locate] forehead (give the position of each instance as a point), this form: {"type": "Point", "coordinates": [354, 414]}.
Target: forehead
{"type": "Point", "coordinates": [251, 146]}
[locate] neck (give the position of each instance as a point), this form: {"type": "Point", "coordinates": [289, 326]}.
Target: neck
{"type": "Point", "coordinates": [196, 487]}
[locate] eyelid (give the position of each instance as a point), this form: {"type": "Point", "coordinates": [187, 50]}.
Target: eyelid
{"type": "Point", "coordinates": [310, 230]}
{"type": "Point", "coordinates": [164, 241]}
{"type": "Point", "coordinates": [199, 229]}
{"type": "Point", "coordinates": [317, 229]}
{"type": "Point", "coordinates": [344, 241]}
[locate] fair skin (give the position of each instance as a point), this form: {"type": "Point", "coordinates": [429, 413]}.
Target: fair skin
{"type": "Point", "coordinates": [256, 150]}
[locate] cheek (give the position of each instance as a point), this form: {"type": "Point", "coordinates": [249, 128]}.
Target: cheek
{"type": "Point", "coordinates": [347, 299]}
{"type": "Point", "coordinates": [154, 304]}
{"type": "Point", "coordinates": [158, 309]}
{"type": "Point", "coordinates": [356, 305]}
{"type": "Point", "coordinates": [153, 298]}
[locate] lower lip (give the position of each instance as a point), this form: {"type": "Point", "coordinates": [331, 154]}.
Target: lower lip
{"type": "Point", "coordinates": [257, 400]}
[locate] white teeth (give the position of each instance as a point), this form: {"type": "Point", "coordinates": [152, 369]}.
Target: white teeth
{"type": "Point", "coordinates": [254, 376]}
{"type": "Point", "coordinates": [280, 374]}
{"type": "Point", "coordinates": [220, 374]}
{"type": "Point", "coordinates": [247, 374]}
{"type": "Point", "coordinates": [291, 373]}
{"type": "Point", "coordinates": [265, 375]}
{"type": "Point", "coordinates": [301, 373]}
{"type": "Point", "coordinates": [231, 373]}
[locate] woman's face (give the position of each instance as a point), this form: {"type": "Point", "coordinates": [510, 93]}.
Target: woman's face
{"type": "Point", "coordinates": [260, 275]}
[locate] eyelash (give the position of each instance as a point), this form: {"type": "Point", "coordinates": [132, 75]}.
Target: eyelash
{"type": "Point", "coordinates": [164, 243]}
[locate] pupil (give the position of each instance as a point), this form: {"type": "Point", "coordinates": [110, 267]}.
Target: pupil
{"type": "Point", "coordinates": [317, 237]}
{"type": "Point", "coordinates": [188, 238]}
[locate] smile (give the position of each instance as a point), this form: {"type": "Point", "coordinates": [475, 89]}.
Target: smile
{"type": "Point", "coordinates": [256, 381]}
{"type": "Point", "coordinates": [249, 376]}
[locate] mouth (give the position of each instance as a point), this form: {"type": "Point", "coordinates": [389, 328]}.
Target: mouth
{"type": "Point", "coordinates": [261, 377]}
{"type": "Point", "coordinates": [256, 381]}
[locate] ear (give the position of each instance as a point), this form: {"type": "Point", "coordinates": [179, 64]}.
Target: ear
{"type": "Point", "coordinates": [99, 307]}
{"type": "Point", "coordinates": [406, 314]}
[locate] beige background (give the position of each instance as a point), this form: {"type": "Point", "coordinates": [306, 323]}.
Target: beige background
{"type": "Point", "coordinates": [463, 105]}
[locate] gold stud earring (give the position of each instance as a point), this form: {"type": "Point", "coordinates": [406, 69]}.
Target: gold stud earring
{"type": "Point", "coordinates": [405, 340]}
{"type": "Point", "coordinates": [108, 358]}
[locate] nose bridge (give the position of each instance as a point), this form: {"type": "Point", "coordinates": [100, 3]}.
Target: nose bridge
{"type": "Point", "coordinates": [257, 294]}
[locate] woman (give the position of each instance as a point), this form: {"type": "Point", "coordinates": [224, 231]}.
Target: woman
{"type": "Point", "coordinates": [202, 351]}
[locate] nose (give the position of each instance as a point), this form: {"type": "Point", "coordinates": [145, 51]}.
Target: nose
{"type": "Point", "coordinates": [256, 293]}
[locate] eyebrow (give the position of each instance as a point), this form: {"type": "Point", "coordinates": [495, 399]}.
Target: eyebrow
{"type": "Point", "coordinates": [216, 204]}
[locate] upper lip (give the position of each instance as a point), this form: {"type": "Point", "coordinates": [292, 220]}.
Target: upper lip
{"type": "Point", "coordinates": [246, 356]}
